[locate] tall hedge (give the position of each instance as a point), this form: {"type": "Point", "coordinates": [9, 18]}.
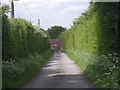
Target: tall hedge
{"type": "Point", "coordinates": [20, 38]}
{"type": "Point", "coordinates": [94, 38]}
{"type": "Point", "coordinates": [95, 31]}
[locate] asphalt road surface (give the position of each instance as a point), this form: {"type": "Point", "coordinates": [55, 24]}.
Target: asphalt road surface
{"type": "Point", "coordinates": [60, 72]}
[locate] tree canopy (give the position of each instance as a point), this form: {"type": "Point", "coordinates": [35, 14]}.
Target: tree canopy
{"type": "Point", "coordinates": [55, 31]}
{"type": "Point", "coordinates": [4, 9]}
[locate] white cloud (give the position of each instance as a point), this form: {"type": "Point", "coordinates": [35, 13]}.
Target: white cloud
{"type": "Point", "coordinates": [75, 9]}
{"type": "Point", "coordinates": [58, 3]}
{"type": "Point", "coordinates": [51, 12]}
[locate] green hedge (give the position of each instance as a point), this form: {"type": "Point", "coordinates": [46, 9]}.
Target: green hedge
{"type": "Point", "coordinates": [18, 73]}
{"type": "Point", "coordinates": [96, 34]}
{"type": "Point", "coordinates": [20, 39]}
{"type": "Point", "coordinates": [24, 51]}
{"type": "Point", "coordinates": [95, 31]}
{"type": "Point", "coordinates": [102, 70]}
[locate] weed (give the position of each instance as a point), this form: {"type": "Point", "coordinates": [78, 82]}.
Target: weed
{"type": "Point", "coordinates": [102, 70]}
{"type": "Point", "coordinates": [17, 72]}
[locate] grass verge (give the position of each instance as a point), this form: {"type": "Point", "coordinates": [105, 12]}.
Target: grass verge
{"type": "Point", "coordinates": [15, 73]}
{"type": "Point", "coordinates": [102, 70]}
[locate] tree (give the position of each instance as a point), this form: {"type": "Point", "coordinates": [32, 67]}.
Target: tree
{"type": "Point", "coordinates": [55, 31]}
{"type": "Point", "coordinates": [5, 9]}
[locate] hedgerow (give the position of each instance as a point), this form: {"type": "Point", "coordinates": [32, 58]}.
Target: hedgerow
{"type": "Point", "coordinates": [17, 73]}
{"type": "Point", "coordinates": [24, 50]}
{"type": "Point", "coordinates": [20, 38]}
{"type": "Point", "coordinates": [96, 33]}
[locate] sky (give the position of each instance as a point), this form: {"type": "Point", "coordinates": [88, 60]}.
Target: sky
{"type": "Point", "coordinates": [50, 12]}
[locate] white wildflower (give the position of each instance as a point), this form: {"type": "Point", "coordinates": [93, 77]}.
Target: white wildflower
{"type": "Point", "coordinates": [103, 56]}
{"type": "Point", "coordinates": [115, 53]}
{"type": "Point", "coordinates": [110, 54]}
{"type": "Point", "coordinates": [116, 58]}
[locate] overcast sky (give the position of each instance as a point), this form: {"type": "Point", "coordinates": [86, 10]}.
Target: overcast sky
{"type": "Point", "coordinates": [50, 12]}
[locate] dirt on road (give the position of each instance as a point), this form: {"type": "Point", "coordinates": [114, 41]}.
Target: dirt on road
{"type": "Point", "coordinates": [60, 72]}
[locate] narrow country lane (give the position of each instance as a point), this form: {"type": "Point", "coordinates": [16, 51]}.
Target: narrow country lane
{"type": "Point", "coordinates": [60, 72]}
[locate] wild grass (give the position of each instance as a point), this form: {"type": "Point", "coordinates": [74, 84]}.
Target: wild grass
{"type": "Point", "coordinates": [15, 73]}
{"type": "Point", "coordinates": [102, 70]}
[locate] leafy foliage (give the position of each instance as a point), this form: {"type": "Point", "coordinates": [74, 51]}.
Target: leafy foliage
{"type": "Point", "coordinates": [20, 38]}
{"type": "Point", "coordinates": [55, 31]}
{"type": "Point", "coordinates": [21, 43]}
{"type": "Point", "coordinates": [18, 72]}
{"type": "Point", "coordinates": [5, 9]}
{"type": "Point", "coordinates": [95, 32]}
{"type": "Point", "coordinates": [103, 76]}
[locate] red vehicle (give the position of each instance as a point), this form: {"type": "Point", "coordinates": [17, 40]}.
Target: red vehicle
{"type": "Point", "coordinates": [55, 44]}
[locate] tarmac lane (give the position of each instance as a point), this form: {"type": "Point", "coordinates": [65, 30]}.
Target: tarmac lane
{"type": "Point", "coordinates": [60, 72]}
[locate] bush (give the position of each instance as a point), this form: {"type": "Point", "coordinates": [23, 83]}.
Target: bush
{"type": "Point", "coordinates": [103, 70]}
{"type": "Point", "coordinates": [93, 36]}
{"type": "Point", "coordinates": [18, 72]}
{"type": "Point", "coordinates": [20, 39]}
